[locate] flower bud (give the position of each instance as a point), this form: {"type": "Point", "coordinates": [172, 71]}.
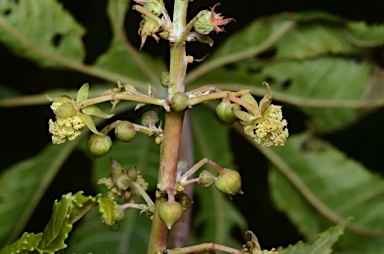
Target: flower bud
{"type": "Point", "coordinates": [229, 182]}
{"type": "Point", "coordinates": [170, 213]}
{"type": "Point", "coordinates": [65, 110]}
{"type": "Point", "coordinates": [184, 200]}
{"type": "Point", "coordinates": [149, 118]}
{"type": "Point", "coordinates": [118, 215]}
{"type": "Point", "coordinates": [179, 101]}
{"type": "Point", "coordinates": [99, 145]}
{"type": "Point", "coordinates": [206, 178]}
{"type": "Point", "coordinates": [132, 172]}
{"type": "Point", "coordinates": [224, 111]}
{"type": "Point", "coordinates": [164, 79]}
{"type": "Point", "coordinates": [125, 131]}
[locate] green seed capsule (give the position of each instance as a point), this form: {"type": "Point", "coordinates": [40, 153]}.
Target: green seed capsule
{"type": "Point", "coordinates": [99, 145]}
{"type": "Point", "coordinates": [170, 213]}
{"type": "Point", "coordinates": [184, 200]}
{"type": "Point", "coordinates": [229, 182]}
{"type": "Point", "coordinates": [179, 101]}
{"type": "Point", "coordinates": [125, 131]}
{"type": "Point", "coordinates": [224, 111]}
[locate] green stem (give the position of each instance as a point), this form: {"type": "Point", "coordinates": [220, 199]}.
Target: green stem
{"type": "Point", "coordinates": [205, 247]}
{"type": "Point", "coordinates": [172, 129]}
{"type": "Point", "coordinates": [123, 97]}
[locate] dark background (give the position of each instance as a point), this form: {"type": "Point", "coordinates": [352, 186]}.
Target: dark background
{"type": "Point", "coordinates": [24, 130]}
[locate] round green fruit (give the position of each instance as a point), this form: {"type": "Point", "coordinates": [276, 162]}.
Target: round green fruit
{"type": "Point", "coordinates": [125, 131]}
{"type": "Point", "coordinates": [99, 145]}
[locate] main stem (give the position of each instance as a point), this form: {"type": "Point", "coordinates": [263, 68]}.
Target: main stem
{"type": "Point", "coordinates": [173, 126]}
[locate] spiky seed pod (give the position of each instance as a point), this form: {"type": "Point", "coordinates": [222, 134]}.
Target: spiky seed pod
{"type": "Point", "coordinates": [125, 131]}
{"type": "Point", "coordinates": [99, 145]}
{"type": "Point", "coordinates": [170, 213]}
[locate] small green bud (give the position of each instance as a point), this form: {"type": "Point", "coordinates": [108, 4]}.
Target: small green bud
{"type": "Point", "coordinates": [125, 131]}
{"type": "Point", "coordinates": [164, 79]}
{"type": "Point", "coordinates": [206, 178]}
{"type": "Point", "coordinates": [224, 111]}
{"type": "Point", "coordinates": [149, 118]}
{"type": "Point", "coordinates": [154, 6]}
{"type": "Point", "coordinates": [170, 213]}
{"type": "Point", "coordinates": [229, 182]}
{"type": "Point", "coordinates": [118, 215]}
{"type": "Point", "coordinates": [179, 101]}
{"type": "Point", "coordinates": [184, 200]}
{"type": "Point", "coordinates": [132, 172]}
{"type": "Point", "coordinates": [99, 145]}
{"type": "Point", "coordinates": [65, 110]}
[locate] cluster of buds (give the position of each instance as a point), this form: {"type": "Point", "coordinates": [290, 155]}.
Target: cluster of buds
{"type": "Point", "coordinates": [253, 246]}
{"type": "Point", "coordinates": [266, 126]}
{"type": "Point", "coordinates": [157, 23]}
{"type": "Point", "coordinates": [124, 184]}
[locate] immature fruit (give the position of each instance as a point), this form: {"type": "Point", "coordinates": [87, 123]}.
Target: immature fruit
{"type": "Point", "coordinates": [125, 131]}
{"type": "Point", "coordinates": [229, 182]}
{"type": "Point", "coordinates": [224, 111]}
{"type": "Point", "coordinates": [170, 213]}
{"type": "Point", "coordinates": [149, 118]}
{"type": "Point", "coordinates": [206, 178]}
{"type": "Point", "coordinates": [99, 145]}
{"type": "Point", "coordinates": [184, 200]}
{"type": "Point", "coordinates": [179, 101]}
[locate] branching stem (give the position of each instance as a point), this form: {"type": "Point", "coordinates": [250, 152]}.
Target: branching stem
{"type": "Point", "coordinates": [200, 248]}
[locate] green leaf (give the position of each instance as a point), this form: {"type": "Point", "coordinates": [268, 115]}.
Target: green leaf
{"type": "Point", "coordinates": [52, 38]}
{"type": "Point", "coordinates": [83, 92]}
{"type": "Point", "coordinates": [28, 242]}
{"type": "Point", "coordinates": [254, 39]}
{"type": "Point", "coordinates": [58, 227]}
{"type": "Point", "coordinates": [318, 86]}
{"type": "Point", "coordinates": [363, 35]}
{"type": "Point", "coordinates": [125, 60]}
{"type": "Point", "coordinates": [325, 79]}
{"type": "Point", "coordinates": [93, 236]}
{"type": "Point", "coordinates": [321, 244]}
{"type": "Point", "coordinates": [107, 207]}
{"type": "Point", "coordinates": [323, 185]}
{"type": "Point", "coordinates": [217, 215]}
{"type": "Point", "coordinates": [30, 177]}
{"type": "Point", "coordinates": [81, 206]}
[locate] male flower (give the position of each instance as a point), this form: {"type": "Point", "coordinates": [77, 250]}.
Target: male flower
{"type": "Point", "coordinates": [271, 129]}
{"type": "Point", "coordinates": [68, 123]}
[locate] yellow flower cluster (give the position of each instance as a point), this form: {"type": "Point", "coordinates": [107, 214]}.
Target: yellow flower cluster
{"type": "Point", "coordinates": [271, 129]}
{"type": "Point", "coordinates": [64, 127]}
